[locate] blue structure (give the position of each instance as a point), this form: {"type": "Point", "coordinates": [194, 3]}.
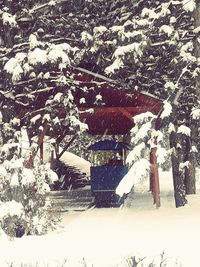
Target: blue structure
{"type": "Point", "coordinates": [107, 170]}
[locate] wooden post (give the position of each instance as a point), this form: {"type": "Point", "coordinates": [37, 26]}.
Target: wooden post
{"type": "Point", "coordinates": [154, 177]}
{"type": "Point", "coordinates": [29, 162]}
{"type": "Point", "coordinates": [42, 152]}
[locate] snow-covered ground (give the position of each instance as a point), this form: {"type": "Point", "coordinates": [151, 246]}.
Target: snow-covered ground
{"type": "Point", "coordinates": [107, 237]}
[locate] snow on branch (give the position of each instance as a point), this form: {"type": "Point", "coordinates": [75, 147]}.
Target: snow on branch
{"type": "Point", "coordinates": [162, 154]}
{"type": "Point", "coordinates": [7, 147]}
{"type": "Point", "coordinates": [7, 94]}
{"type": "Point", "coordinates": [195, 114]}
{"type": "Point", "coordinates": [77, 123]}
{"type": "Point", "coordinates": [97, 75]}
{"type": "Point", "coordinates": [48, 4]}
{"type": "Point", "coordinates": [167, 29]}
{"type": "Point", "coordinates": [189, 5]}
{"type": "Point", "coordinates": [11, 208]}
{"type": "Point", "coordinates": [184, 130]}
{"type": "Point", "coordinates": [9, 19]}
{"type": "Point", "coordinates": [135, 50]}
{"type": "Point", "coordinates": [144, 117]}
{"type": "Point", "coordinates": [142, 132]}
{"type": "Point", "coordinates": [23, 63]}
{"type": "Point", "coordinates": [167, 110]}
{"type": "Point", "coordinates": [135, 154]}
{"type": "Point", "coordinates": [184, 165]}
{"type": "Point", "coordinates": [35, 119]}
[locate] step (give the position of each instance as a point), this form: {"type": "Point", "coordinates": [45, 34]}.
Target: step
{"type": "Point", "coordinates": [72, 200]}
{"type": "Point", "coordinates": [58, 207]}
{"type": "Point", "coordinates": [80, 192]}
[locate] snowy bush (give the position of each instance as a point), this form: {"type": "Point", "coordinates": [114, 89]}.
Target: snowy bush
{"type": "Point", "coordinates": [12, 218]}
{"type": "Point", "coordinates": [24, 205]}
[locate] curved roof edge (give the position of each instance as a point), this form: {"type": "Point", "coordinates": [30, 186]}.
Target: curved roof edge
{"type": "Point", "coordinates": [108, 145]}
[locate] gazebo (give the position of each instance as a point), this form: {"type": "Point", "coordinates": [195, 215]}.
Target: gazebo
{"type": "Point", "coordinates": [107, 109]}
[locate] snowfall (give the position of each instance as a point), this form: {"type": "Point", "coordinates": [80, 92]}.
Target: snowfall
{"type": "Point", "coordinates": [111, 237]}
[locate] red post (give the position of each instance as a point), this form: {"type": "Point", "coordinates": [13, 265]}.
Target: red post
{"type": "Point", "coordinates": [154, 177]}
{"type": "Point", "coordinates": [42, 152]}
{"type": "Point", "coordinates": [29, 163]}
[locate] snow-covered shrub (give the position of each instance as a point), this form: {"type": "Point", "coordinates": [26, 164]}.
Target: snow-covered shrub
{"type": "Point", "coordinates": [24, 204]}
{"type": "Point", "coordinates": [12, 218]}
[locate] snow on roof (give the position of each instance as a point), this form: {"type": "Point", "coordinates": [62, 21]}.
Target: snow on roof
{"type": "Point", "coordinates": [76, 161]}
{"type": "Point", "coordinates": [67, 157]}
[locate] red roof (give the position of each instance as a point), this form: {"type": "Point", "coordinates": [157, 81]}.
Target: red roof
{"type": "Point", "coordinates": [115, 120]}
{"type": "Point", "coordinates": [113, 114]}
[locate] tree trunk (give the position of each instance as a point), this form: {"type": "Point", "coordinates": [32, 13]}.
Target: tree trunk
{"type": "Point", "coordinates": [8, 30]}
{"type": "Point", "coordinates": [190, 181]}
{"type": "Point", "coordinates": [197, 45]}
{"type": "Point", "coordinates": [178, 175]}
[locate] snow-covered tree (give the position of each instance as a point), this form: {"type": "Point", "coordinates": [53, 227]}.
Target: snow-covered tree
{"type": "Point", "coordinates": [153, 46]}
{"type": "Point", "coordinates": [144, 45]}
{"type": "Point", "coordinates": [153, 50]}
{"type": "Point", "coordinates": [31, 68]}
